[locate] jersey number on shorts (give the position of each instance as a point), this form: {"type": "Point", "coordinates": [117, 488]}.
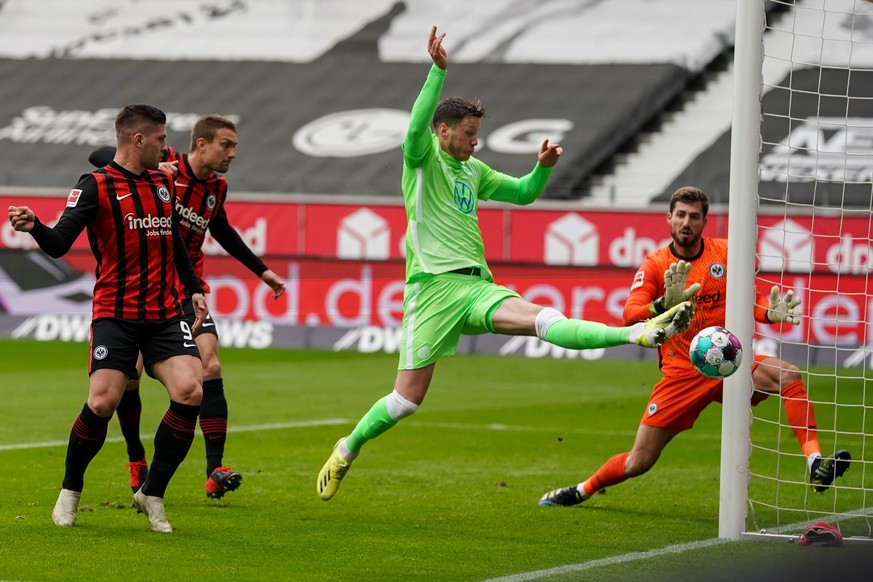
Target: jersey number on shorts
{"type": "Point", "coordinates": [186, 334]}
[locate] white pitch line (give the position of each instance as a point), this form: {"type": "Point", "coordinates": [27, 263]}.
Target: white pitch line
{"type": "Point", "coordinates": [295, 424]}
{"type": "Point", "coordinates": [420, 424]}
{"type": "Point", "coordinates": [252, 428]}
{"type": "Point", "coordinates": [622, 559]}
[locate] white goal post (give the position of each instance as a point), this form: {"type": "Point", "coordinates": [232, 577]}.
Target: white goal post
{"type": "Point", "coordinates": [742, 210]}
{"type": "Point", "coordinates": [801, 217]}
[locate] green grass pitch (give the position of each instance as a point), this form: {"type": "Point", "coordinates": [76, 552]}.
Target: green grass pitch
{"type": "Point", "coordinates": [448, 494]}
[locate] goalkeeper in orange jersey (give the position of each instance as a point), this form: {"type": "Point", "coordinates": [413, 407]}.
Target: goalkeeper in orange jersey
{"type": "Point", "coordinates": [693, 267]}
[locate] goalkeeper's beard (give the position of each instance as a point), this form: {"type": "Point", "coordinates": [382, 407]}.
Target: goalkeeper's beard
{"type": "Point", "coordinates": [687, 241]}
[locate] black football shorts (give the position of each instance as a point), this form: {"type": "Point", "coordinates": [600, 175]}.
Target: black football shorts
{"type": "Point", "coordinates": [115, 343]}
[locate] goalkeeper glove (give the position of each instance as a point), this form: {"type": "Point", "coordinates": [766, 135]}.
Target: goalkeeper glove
{"type": "Point", "coordinates": [674, 288]}
{"type": "Point", "coordinates": [786, 308]}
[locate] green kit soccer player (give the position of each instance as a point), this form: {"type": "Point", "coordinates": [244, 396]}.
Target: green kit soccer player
{"type": "Point", "coordinates": [449, 288]}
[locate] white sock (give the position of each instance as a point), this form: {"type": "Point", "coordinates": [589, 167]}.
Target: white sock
{"type": "Point", "coordinates": [345, 453]}
{"type": "Point", "coordinates": [399, 407]}
{"type": "Point", "coordinates": [811, 459]}
{"type": "Point", "coordinates": [545, 319]}
{"type": "Point", "coordinates": [581, 489]}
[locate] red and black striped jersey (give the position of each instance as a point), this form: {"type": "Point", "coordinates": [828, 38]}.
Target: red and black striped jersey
{"type": "Point", "coordinates": [200, 206]}
{"type": "Point", "coordinates": [140, 256]}
{"type": "Point", "coordinates": [197, 203]}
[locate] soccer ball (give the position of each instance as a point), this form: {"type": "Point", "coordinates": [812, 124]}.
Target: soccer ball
{"type": "Point", "coordinates": [715, 352]}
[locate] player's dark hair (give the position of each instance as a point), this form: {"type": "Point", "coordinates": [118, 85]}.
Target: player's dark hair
{"type": "Point", "coordinates": [453, 110]}
{"type": "Point", "coordinates": [137, 118]}
{"type": "Point", "coordinates": [208, 125]}
{"type": "Point", "coordinates": [690, 195]}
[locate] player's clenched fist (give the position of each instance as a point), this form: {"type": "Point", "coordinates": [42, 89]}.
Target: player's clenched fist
{"type": "Point", "coordinates": [21, 218]}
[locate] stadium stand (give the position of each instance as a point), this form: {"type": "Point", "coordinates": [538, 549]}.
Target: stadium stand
{"type": "Point", "coordinates": [321, 89]}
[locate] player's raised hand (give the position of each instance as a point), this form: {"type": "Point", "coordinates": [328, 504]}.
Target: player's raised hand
{"type": "Point", "coordinates": [436, 50]}
{"type": "Point", "coordinates": [21, 218]}
{"type": "Point", "coordinates": [675, 279]}
{"type": "Point", "coordinates": [275, 283]}
{"type": "Point", "coordinates": [785, 308]}
{"type": "Point", "coordinates": [549, 154]}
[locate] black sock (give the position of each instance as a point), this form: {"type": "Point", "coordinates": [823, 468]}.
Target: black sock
{"type": "Point", "coordinates": [86, 439]}
{"type": "Point", "coordinates": [129, 411]}
{"type": "Point", "coordinates": [213, 422]}
{"type": "Point", "coordinates": [172, 441]}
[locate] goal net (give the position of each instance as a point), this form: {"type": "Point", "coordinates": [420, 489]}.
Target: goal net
{"type": "Point", "coordinates": [814, 207]}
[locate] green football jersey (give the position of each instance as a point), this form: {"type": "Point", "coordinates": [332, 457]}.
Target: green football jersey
{"type": "Point", "coordinates": [441, 196]}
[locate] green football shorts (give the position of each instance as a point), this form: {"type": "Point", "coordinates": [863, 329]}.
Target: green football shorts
{"type": "Point", "coordinates": [438, 309]}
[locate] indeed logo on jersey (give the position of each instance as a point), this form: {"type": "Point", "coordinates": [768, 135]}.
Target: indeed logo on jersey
{"type": "Point", "coordinates": [190, 217]}
{"type": "Point", "coordinates": [154, 225]}
{"type": "Point", "coordinates": [707, 298]}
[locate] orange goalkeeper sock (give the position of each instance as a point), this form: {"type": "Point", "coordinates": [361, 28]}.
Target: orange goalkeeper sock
{"type": "Point", "coordinates": [801, 417]}
{"type": "Point", "coordinates": [610, 473]}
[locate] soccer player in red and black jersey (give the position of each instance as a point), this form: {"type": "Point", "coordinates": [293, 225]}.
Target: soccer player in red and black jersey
{"type": "Point", "coordinates": [682, 394]}
{"type": "Point", "coordinates": [201, 191]}
{"type": "Point", "coordinates": [128, 211]}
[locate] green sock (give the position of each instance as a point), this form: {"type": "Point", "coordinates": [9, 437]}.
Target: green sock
{"type": "Point", "coordinates": [577, 334]}
{"type": "Point", "coordinates": [375, 422]}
